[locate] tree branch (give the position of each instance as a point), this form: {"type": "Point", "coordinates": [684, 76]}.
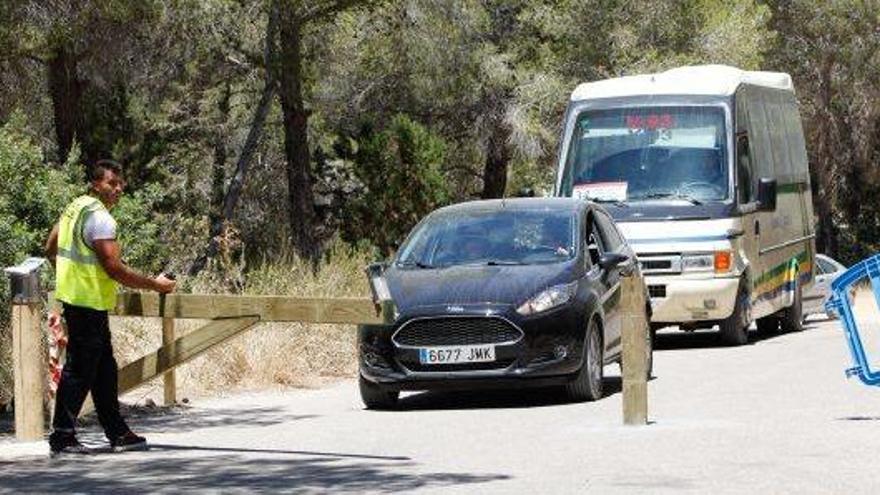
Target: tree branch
{"type": "Point", "coordinates": [322, 10]}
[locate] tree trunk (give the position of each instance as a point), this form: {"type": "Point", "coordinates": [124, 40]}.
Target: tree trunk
{"type": "Point", "coordinates": [301, 207]}
{"type": "Point", "coordinates": [497, 159]}
{"type": "Point", "coordinates": [218, 175]}
{"type": "Point", "coordinates": [230, 200]}
{"type": "Point", "coordinates": [65, 91]}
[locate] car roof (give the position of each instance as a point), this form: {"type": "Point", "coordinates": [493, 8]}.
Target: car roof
{"type": "Point", "coordinates": [533, 204]}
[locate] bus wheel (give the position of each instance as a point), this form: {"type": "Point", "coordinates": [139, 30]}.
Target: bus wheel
{"type": "Point", "coordinates": [793, 317]}
{"type": "Point", "coordinates": [735, 328]}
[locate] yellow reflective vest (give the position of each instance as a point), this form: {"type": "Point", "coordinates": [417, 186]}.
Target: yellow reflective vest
{"type": "Point", "coordinates": [80, 278]}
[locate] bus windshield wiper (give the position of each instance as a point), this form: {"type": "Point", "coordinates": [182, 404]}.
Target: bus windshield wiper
{"type": "Point", "coordinates": [673, 195]}
{"type": "Point", "coordinates": [503, 263]}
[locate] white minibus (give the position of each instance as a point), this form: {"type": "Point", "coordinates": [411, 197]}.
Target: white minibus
{"type": "Point", "coordinates": [704, 169]}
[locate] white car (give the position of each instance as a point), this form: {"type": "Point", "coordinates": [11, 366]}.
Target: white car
{"type": "Point", "coordinates": [827, 269]}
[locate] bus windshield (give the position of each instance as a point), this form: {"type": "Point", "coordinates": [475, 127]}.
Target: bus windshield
{"type": "Point", "coordinates": [648, 153]}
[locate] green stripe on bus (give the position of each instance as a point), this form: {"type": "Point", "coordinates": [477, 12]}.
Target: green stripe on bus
{"type": "Point", "coordinates": [780, 269]}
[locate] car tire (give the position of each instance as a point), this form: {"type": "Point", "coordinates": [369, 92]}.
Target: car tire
{"type": "Point", "coordinates": [768, 325]}
{"type": "Point", "coordinates": [735, 328]}
{"type": "Point", "coordinates": [587, 384]}
{"type": "Point", "coordinates": [375, 396]}
{"type": "Point", "coordinates": [793, 317]}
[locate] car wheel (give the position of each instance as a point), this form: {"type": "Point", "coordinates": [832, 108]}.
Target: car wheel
{"type": "Point", "coordinates": [792, 318]}
{"type": "Point", "coordinates": [735, 328]}
{"type": "Point", "coordinates": [587, 384]}
{"type": "Point", "coordinates": [375, 396]}
{"type": "Point", "coordinates": [768, 325]}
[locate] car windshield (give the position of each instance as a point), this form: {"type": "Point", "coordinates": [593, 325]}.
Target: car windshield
{"type": "Point", "coordinates": [648, 153]}
{"type": "Point", "coordinates": [491, 237]}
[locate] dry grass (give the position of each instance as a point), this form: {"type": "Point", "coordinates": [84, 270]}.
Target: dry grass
{"type": "Point", "coordinates": [272, 354]}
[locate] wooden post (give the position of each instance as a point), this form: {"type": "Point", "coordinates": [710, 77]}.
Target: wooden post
{"type": "Point", "coordinates": [29, 371]}
{"type": "Point", "coordinates": [170, 375]}
{"type": "Point", "coordinates": [29, 361]}
{"type": "Point", "coordinates": [635, 337]}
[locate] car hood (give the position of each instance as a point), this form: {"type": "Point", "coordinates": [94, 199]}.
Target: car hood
{"type": "Point", "coordinates": [473, 284]}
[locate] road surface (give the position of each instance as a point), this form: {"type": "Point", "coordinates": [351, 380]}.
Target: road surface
{"type": "Point", "coordinates": [775, 416]}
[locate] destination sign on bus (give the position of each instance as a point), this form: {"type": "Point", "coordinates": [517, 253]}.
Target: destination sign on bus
{"type": "Point", "coordinates": [650, 122]}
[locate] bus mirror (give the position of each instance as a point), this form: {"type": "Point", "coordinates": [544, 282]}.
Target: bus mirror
{"type": "Point", "coordinates": [767, 194]}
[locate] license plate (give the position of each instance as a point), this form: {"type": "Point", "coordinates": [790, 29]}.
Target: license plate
{"type": "Point", "coordinates": [457, 354]}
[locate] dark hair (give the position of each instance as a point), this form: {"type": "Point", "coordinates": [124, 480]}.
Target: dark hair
{"type": "Point", "coordinates": [97, 169]}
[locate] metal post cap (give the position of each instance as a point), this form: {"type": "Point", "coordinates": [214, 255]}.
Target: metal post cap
{"type": "Point", "coordinates": [24, 280]}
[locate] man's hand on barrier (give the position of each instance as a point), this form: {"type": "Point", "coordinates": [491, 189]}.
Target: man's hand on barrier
{"type": "Point", "coordinates": [164, 284]}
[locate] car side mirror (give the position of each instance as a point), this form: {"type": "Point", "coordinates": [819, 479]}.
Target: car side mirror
{"type": "Point", "coordinates": [611, 260]}
{"type": "Point", "coordinates": [767, 194]}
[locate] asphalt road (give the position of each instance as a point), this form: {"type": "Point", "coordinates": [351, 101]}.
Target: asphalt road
{"type": "Point", "coordinates": [776, 416]}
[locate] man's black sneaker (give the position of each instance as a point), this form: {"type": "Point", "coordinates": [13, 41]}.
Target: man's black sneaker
{"type": "Point", "coordinates": [67, 445]}
{"type": "Point", "coordinates": [128, 441]}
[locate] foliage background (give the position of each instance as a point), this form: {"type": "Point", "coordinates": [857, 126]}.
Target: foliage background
{"type": "Point", "coordinates": [283, 133]}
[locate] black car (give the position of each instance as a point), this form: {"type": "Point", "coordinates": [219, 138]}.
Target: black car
{"type": "Point", "coordinates": [500, 292]}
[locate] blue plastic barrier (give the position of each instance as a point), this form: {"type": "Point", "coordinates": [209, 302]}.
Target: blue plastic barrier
{"type": "Point", "coordinates": [840, 302]}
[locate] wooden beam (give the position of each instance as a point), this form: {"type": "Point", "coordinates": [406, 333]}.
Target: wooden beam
{"type": "Point", "coordinates": [635, 337]}
{"type": "Point", "coordinates": [351, 310]}
{"type": "Point", "coordinates": [181, 350]}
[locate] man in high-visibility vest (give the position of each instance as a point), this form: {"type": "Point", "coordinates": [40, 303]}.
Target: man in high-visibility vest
{"type": "Point", "coordinates": [88, 267]}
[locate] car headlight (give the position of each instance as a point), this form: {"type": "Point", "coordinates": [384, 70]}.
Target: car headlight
{"type": "Point", "coordinates": [548, 299]}
{"type": "Point", "coordinates": [719, 262]}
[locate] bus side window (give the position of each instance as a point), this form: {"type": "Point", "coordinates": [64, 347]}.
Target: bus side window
{"type": "Point", "coordinates": [744, 169]}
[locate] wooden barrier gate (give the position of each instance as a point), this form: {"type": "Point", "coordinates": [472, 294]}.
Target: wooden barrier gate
{"type": "Point", "coordinates": [231, 315]}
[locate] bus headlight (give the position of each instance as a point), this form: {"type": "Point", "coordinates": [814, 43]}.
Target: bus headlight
{"type": "Point", "coordinates": [691, 263]}
{"type": "Point", "coordinates": [718, 262]}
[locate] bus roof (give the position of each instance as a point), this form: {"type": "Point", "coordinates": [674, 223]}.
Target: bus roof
{"type": "Point", "coordinates": [712, 80]}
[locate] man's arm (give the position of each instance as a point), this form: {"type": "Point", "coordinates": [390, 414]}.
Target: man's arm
{"type": "Point", "coordinates": [108, 255]}
{"type": "Point", "coordinates": [52, 245]}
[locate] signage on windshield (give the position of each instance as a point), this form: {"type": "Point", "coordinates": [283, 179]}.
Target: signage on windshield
{"type": "Point", "coordinates": [650, 122]}
{"type": "Point", "coordinates": [601, 191]}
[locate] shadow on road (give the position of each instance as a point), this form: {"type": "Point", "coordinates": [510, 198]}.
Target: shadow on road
{"type": "Point", "coordinates": [178, 418]}
{"type": "Point", "coordinates": [236, 470]}
{"type": "Point", "coordinates": [676, 340]}
{"type": "Point", "coordinates": [181, 418]}
{"type": "Point", "coordinates": [496, 399]}
{"type": "Point", "coordinates": [160, 446]}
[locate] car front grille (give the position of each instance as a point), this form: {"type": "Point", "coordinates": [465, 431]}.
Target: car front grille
{"type": "Point", "coordinates": [446, 331]}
